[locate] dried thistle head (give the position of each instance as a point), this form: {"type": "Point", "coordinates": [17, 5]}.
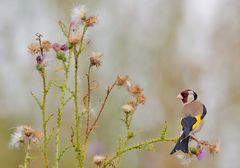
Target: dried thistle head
{"type": "Point", "coordinates": [127, 108]}
{"type": "Point", "coordinates": [99, 159]}
{"type": "Point", "coordinates": [28, 131]}
{"type": "Point", "coordinates": [133, 104]}
{"type": "Point", "coordinates": [79, 14]}
{"type": "Point", "coordinates": [91, 21]}
{"type": "Point", "coordinates": [214, 148]}
{"type": "Point", "coordinates": [121, 80]}
{"type": "Point", "coordinates": [24, 134]}
{"type": "Point", "coordinates": [140, 99]}
{"type": "Point", "coordinates": [95, 59]}
{"type": "Point", "coordinates": [135, 90]}
{"type": "Point", "coordinates": [74, 39]}
{"type": "Point", "coordinates": [46, 45]}
{"type": "Point", "coordinates": [34, 48]}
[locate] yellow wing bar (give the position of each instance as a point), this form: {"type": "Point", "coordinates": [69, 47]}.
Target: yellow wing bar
{"type": "Point", "coordinates": [198, 121]}
{"type": "Point", "coordinates": [198, 118]}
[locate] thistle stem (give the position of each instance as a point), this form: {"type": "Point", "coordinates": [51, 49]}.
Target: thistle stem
{"type": "Point", "coordinates": [88, 102]}
{"type": "Point", "coordinates": [77, 53]}
{"type": "Point", "coordinates": [27, 156]}
{"type": "Point", "coordinates": [44, 121]}
{"type": "Point", "coordinates": [77, 131]}
{"type": "Point", "coordinates": [60, 110]}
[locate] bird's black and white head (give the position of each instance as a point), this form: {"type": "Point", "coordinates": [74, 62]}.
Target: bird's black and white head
{"type": "Point", "coordinates": [187, 96]}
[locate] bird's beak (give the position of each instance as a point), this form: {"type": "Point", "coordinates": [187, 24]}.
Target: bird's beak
{"type": "Point", "coordinates": [179, 97]}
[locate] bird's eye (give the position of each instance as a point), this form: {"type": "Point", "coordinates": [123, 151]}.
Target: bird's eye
{"type": "Point", "coordinates": [184, 94]}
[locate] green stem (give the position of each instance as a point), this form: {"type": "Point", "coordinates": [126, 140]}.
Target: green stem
{"type": "Point", "coordinates": [136, 146]}
{"type": "Point", "coordinates": [44, 121]}
{"type": "Point", "coordinates": [60, 110]}
{"type": "Point", "coordinates": [27, 156]}
{"type": "Point", "coordinates": [80, 155]}
{"type": "Point", "coordinates": [88, 101]}
{"type": "Point", "coordinates": [81, 41]}
{"type": "Point", "coordinates": [76, 108]}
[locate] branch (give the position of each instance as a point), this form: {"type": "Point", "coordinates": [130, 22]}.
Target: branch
{"type": "Point", "coordinates": [89, 99]}
{"type": "Point", "coordinates": [36, 99]}
{"type": "Point", "coordinates": [101, 109]}
{"type": "Point", "coordinates": [136, 146]}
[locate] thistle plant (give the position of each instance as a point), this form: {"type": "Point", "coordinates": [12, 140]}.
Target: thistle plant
{"type": "Point", "coordinates": [68, 54]}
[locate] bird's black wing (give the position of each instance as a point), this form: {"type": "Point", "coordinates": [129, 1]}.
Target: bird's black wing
{"type": "Point", "coordinates": [204, 112]}
{"type": "Point", "coordinates": [187, 124]}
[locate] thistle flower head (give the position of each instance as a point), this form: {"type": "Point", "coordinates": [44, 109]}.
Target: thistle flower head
{"type": "Point", "coordinates": [135, 90]}
{"type": "Point", "coordinates": [34, 48]}
{"type": "Point", "coordinates": [79, 14]}
{"type": "Point", "coordinates": [91, 21]}
{"type": "Point", "coordinates": [56, 47]}
{"type": "Point", "coordinates": [24, 134]}
{"type": "Point", "coordinates": [201, 154]}
{"type": "Point", "coordinates": [46, 45]}
{"type": "Point", "coordinates": [74, 39]}
{"type": "Point", "coordinates": [140, 99]}
{"type": "Point", "coordinates": [98, 159]}
{"type": "Point", "coordinates": [214, 148]}
{"type": "Point", "coordinates": [95, 59]}
{"type": "Point", "coordinates": [121, 80]}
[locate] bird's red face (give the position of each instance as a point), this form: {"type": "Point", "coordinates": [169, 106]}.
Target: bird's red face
{"type": "Point", "coordinates": [187, 96]}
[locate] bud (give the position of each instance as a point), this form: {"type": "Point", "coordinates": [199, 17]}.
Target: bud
{"type": "Point", "coordinates": [98, 159]}
{"type": "Point", "coordinates": [56, 47]}
{"type": "Point", "coordinates": [64, 47]}
{"type": "Point", "coordinates": [69, 45]}
{"type": "Point", "coordinates": [95, 59]}
{"type": "Point", "coordinates": [40, 67]}
{"type": "Point", "coordinates": [130, 134]}
{"type": "Point", "coordinates": [61, 56]}
{"type": "Point", "coordinates": [39, 59]}
{"type": "Point", "coordinates": [193, 150]}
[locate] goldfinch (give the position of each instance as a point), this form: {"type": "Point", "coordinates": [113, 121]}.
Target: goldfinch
{"type": "Point", "coordinates": [192, 118]}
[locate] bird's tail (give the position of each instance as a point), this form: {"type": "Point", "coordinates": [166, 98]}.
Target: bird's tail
{"type": "Point", "coordinates": [182, 144]}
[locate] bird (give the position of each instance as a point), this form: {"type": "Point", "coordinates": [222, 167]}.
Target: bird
{"type": "Point", "coordinates": [192, 118]}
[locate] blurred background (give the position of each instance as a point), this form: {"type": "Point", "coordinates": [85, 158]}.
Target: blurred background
{"type": "Point", "coordinates": [163, 45]}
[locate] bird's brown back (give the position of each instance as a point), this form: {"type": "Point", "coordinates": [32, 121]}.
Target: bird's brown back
{"type": "Point", "coordinates": [192, 109]}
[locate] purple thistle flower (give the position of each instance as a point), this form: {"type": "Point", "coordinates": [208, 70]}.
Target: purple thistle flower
{"type": "Point", "coordinates": [56, 47]}
{"type": "Point", "coordinates": [64, 47]}
{"type": "Point", "coordinates": [201, 154]}
{"type": "Point", "coordinates": [39, 59]}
